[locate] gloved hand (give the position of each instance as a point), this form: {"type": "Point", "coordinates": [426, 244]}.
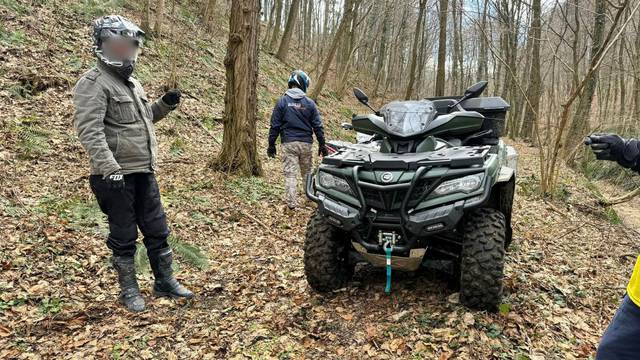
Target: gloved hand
{"type": "Point", "coordinates": [606, 146]}
{"type": "Point", "coordinates": [322, 150]}
{"type": "Point", "coordinates": [115, 181]}
{"type": "Point", "coordinates": [172, 97]}
{"type": "Point", "coordinates": [271, 151]}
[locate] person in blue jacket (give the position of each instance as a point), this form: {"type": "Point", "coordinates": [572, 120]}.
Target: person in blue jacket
{"type": "Point", "coordinates": [295, 119]}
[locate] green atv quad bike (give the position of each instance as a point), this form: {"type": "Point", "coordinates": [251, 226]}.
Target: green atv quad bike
{"type": "Point", "coordinates": [434, 183]}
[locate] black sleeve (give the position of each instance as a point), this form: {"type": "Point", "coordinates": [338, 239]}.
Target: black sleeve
{"type": "Point", "coordinates": [630, 157]}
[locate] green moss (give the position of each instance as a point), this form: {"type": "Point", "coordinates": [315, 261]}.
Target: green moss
{"type": "Point", "coordinates": [91, 9]}
{"type": "Point", "coordinates": [177, 147]}
{"type": "Point", "coordinates": [12, 38]}
{"type": "Point", "coordinates": [187, 253]}
{"type": "Point", "coordinates": [252, 189]}
{"type": "Point", "coordinates": [15, 6]}
{"type": "Point", "coordinates": [612, 215]}
{"type": "Point", "coordinates": [33, 138]}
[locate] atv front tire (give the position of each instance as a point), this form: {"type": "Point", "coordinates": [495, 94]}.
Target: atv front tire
{"type": "Point", "coordinates": [326, 256]}
{"type": "Point", "coordinates": [482, 261]}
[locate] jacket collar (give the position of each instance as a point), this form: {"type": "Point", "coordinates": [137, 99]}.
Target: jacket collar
{"type": "Point", "coordinates": [295, 93]}
{"type": "Point", "coordinates": [109, 70]}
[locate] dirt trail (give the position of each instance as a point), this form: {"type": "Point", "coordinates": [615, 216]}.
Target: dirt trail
{"type": "Point", "coordinates": [629, 212]}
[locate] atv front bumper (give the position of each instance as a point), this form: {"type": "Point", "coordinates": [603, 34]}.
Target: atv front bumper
{"type": "Point", "coordinates": [412, 225]}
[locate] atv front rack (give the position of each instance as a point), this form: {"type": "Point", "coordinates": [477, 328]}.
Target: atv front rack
{"type": "Point", "coordinates": [455, 157]}
{"type": "Point", "coordinates": [465, 161]}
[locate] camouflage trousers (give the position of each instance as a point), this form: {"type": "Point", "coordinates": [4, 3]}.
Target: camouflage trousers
{"type": "Point", "coordinates": [296, 155]}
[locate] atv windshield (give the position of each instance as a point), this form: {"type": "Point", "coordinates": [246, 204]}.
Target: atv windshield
{"type": "Point", "coordinates": [406, 118]}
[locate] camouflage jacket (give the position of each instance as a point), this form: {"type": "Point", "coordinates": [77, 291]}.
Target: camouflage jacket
{"type": "Point", "coordinates": [114, 121]}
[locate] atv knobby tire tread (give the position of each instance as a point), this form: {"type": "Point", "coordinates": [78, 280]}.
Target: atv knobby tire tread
{"type": "Point", "coordinates": [326, 261]}
{"type": "Point", "coordinates": [482, 262]}
{"type": "Point", "coordinates": [506, 207]}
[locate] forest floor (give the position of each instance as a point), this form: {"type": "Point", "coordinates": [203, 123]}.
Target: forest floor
{"type": "Point", "coordinates": [238, 250]}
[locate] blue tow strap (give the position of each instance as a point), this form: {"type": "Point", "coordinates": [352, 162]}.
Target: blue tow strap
{"type": "Point", "coordinates": [387, 249]}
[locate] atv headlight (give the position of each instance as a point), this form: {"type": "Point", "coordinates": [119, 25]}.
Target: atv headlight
{"type": "Point", "coordinates": [334, 182]}
{"type": "Point", "coordinates": [465, 184]}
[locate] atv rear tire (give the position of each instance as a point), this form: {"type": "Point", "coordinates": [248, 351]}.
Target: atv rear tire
{"type": "Point", "coordinates": [326, 256]}
{"type": "Point", "coordinates": [482, 262]}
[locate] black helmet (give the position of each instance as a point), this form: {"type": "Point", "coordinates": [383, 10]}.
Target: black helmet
{"type": "Point", "coordinates": [117, 42]}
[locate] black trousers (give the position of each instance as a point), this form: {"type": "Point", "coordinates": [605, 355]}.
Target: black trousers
{"type": "Point", "coordinates": [137, 205]}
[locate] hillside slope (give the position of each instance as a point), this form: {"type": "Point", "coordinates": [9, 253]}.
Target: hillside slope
{"type": "Point", "coordinates": [565, 273]}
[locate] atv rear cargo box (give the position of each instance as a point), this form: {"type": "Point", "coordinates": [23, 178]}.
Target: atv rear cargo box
{"type": "Point", "coordinates": [494, 109]}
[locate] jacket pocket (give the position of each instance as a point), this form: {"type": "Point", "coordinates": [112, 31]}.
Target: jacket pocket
{"type": "Point", "coordinates": [131, 148]}
{"type": "Point", "coordinates": [124, 109]}
{"type": "Point", "coordinates": [147, 108]}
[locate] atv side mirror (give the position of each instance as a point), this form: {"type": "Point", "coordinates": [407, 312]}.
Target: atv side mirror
{"type": "Point", "coordinates": [472, 91]}
{"type": "Point", "coordinates": [475, 90]}
{"type": "Point", "coordinates": [347, 126]}
{"type": "Point", "coordinates": [361, 96]}
{"type": "Point", "coordinates": [364, 99]}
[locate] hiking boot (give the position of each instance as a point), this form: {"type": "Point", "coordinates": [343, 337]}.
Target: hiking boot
{"type": "Point", "coordinates": [129, 291]}
{"type": "Point", "coordinates": [165, 283]}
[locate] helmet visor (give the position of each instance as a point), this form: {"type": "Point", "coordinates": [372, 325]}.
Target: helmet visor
{"type": "Point", "coordinates": [120, 49]}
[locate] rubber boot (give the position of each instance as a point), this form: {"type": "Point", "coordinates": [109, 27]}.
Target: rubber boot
{"type": "Point", "coordinates": [165, 283]}
{"type": "Point", "coordinates": [129, 291]}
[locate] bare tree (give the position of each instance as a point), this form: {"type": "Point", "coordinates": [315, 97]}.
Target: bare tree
{"type": "Point", "coordinates": [283, 50]}
{"type": "Point", "coordinates": [580, 123]}
{"type": "Point", "coordinates": [159, 18]}
{"type": "Point", "coordinates": [442, 48]}
{"type": "Point", "coordinates": [239, 153]}
{"type": "Point", "coordinates": [534, 89]}
{"type": "Point", "coordinates": [349, 6]}
{"type": "Point", "coordinates": [276, 25]}
{"type": "Point", "coordinates": [145, 24]}
{"type": "Point", "coordinates": [414, 54]}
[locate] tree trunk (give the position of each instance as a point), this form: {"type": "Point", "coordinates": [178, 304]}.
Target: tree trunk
{"type": "Point", "coordinates": [382, 50]}
{"type": "Point", "coordinates": [146, 19]}
{"type": "Point", "coordinates": [636, 77]}
{"type": "Point", "coordinates": [414, 53]}
{"type": "Point", "coordinates": [239, 153]}
{"type": "Point", "coordinates": [276, 25]}
{"type": "Point", "coordinates": [283, 50]}
{"type": "Point", "coordinates": [442, 48]}
{"type": "Point", "coordinates": [580, 124]}
{"type": "Point", "coordinates": [534, 90]}
{"type": "Point", "coordinates": [159, 18]}
{"type": "Point", "coordinates": [483, 58]}
{"type": "Point", "coordinates": [621, 77]}
{"type": "Point", "coordinates": [348, 48]}
{"type": "Point", "coordinates": [349, 6]}
{"type": "Point", "coordinates": [307, 27]}
{"type": "Point", "coordinates": [455, 69]}
{"type": "Point", "coordinates": [270, 22]}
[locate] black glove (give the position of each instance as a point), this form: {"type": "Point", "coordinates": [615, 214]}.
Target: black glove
{"type": "Point", "coordinates": [613, 147]}
{"type": "Point", "coordinates": [271, 151]}
{"type": "Point", "coordinates": [606, 146]}
{"type": "Point", "coordinates": [172, 97]}
{"type": "Point", "coordinates": [115, 181]}
{"type": "Point", "coordinates": [322, 150]}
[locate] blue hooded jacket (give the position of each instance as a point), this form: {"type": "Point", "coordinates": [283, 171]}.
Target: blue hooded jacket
{"type": "Point", "coordinates": [295, 118]}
